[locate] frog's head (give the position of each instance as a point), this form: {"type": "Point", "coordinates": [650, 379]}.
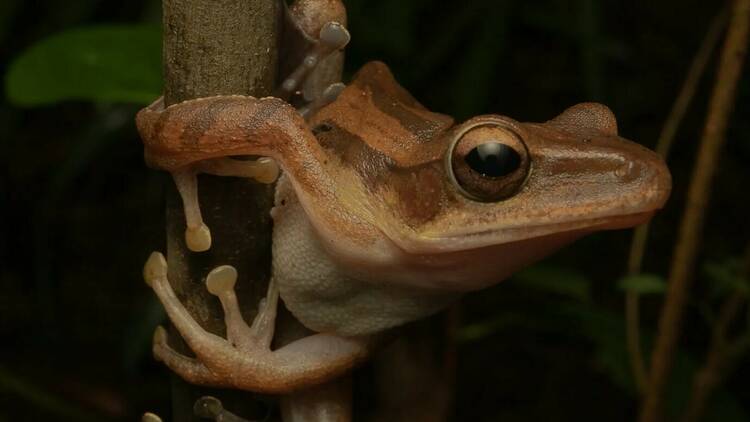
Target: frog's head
{"type": "Point", "coordinates": [509, 181]}
{"type": "Point", "coordinates": [455, 197]}
{"type": "Point", "coordinates": [514, 192]}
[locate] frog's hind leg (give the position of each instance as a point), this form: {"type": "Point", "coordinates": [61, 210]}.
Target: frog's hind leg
{"type": "Point", "coordinates": [328, 96]}
{"type": "Point", "coordinates": [245, 361]}
{"type": "Point", "coordinates": [333, 37]}
{"type": "Point", "coordinates": [320, 27]}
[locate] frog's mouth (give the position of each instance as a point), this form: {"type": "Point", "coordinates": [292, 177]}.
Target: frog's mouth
{"type": "Point", "coordinates": [456, 242]}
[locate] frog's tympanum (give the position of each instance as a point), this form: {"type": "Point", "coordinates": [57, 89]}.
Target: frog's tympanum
{"type": "Point", "coordinates": [385, 212]}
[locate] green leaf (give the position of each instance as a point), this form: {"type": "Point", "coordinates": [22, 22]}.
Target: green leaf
{"type": "Point", "coordinates": [606, 330]}
{"type": "Point", "coordinates": [561, 281]}
{"type": "Point", "coordinates": [727, 277]}
{"type": "Point", "coordinates": [643, 284]}
{"type": "Point", "coordinates": [99, 63]}
{"type": "Point", "coordinates": [14, 386]}
{"type": "Point", "coordinates": [507, 320]}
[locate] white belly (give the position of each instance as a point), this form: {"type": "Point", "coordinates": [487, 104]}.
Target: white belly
{"type": "Point", "coordinates": [320, 295]}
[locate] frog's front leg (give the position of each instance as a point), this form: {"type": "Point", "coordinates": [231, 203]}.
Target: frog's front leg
{"type": "Point", "coordinates": [245, 359]}
{"type": "Point", "coordinates": [197, 234]}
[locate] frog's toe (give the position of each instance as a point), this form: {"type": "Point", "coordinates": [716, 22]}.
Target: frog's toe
{"type": "Point", "coordinates": [208, 407]}
{"type": "Point", "coordinates": [328, 96]}
{"type": "Point", "coordinates": [190, 369]}
{"type": "Point", "coordinates": [202, 342]}
{"type": "Point", "coordinates": [334, 36]}
{"type": "Point", "coordinates": [197, 234]}
{"type": "Point", "coordinates": [263, 326]}
{"type": "Point", "coordinates": [220, 282]}
{"type": "Point", "coordinates": [150, 417]}
{"type": "Point", "coordinates": [155, 268]}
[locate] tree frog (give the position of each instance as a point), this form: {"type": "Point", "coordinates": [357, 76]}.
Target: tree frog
{"type": "Point", "coordinates": [385, 213]}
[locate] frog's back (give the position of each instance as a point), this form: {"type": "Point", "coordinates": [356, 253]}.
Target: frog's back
{"type": "Point", "coordinates": [375, 113]}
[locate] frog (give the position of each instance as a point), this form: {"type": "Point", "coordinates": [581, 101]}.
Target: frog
{"type": "Point", "coordinates": [385, 212]}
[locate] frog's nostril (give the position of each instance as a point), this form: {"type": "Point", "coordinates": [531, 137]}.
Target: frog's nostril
{"type": "Point", "coordinates": [627, 171]}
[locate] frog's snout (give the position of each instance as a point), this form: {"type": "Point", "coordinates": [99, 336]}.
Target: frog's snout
{"type": "Point", "coordinates": [648, 172]}
{"type": "Point", "coordinates": [659, 178]}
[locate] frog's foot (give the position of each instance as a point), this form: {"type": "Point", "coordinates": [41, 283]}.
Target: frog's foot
{"type": "Point", "coordinates": [333, 37]}
{"type": "Point", "coordinates": [197, 234]}
{"type": "Point", "coordinates": [328, 96]}
{"type": "Point", "coordinates": [208, 407]}
{"type": "Point", "coordinates": [245, 359]}
{"type": "Point", "coordinates": [150, 417]}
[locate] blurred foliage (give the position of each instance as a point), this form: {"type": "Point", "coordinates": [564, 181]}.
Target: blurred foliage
{"type": "Point", "coordinates": [79, 211]}
{"type": "Point", "coordinates": [579, 319]}
{"type": "Point", "coordinates": [726, 277]}
{"type": "Point", "coordinates": [104, 64]}
{"type": "Point", "coordinates": [643, 284]}
{"type": "Point", "coordinates": [559, 280]}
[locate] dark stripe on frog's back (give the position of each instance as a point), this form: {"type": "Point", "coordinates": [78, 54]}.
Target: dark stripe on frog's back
{"type": "Point", "coordinates": [419, 189]}
{"type": "Point", "coordinates": [204, 118]}
{"type": "Point", "coordinates": [387, 118]}
{"type": "Point", "coordinates": [353, 152]}
{"type": "Point", "coordinates": [394, 101]}
{"type": "Point", "coordinates": [223, 114]}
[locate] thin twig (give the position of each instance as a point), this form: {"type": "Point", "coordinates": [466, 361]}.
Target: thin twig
{"type": "Point", "coordinates": [714, 137]}
{"type": "Point", "coordinates": [718, 360]}
{"type": "Point", "coordinates": [723, 353]}
{"type": "Point", "coordinates": [663, 147]}
{"type": "Point", "coordinates": [690, 86]}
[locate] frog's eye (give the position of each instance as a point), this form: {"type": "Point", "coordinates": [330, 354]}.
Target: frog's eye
{"type": "Point", "coordinates": [489, 162]}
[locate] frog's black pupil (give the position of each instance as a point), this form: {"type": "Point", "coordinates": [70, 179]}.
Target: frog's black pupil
{"type": "Point", "coordinates": [493, 159]}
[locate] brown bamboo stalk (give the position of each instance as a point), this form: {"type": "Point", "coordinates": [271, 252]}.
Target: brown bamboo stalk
{"type": "Point", "coordinates": [663, 147]}
{"type": "Point", "coordinates": [212, 48]}
{"type": "Point", "coordinates": [714, 137]}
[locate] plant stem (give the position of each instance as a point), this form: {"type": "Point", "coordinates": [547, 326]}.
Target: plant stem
{"type": "Point", "coordinates": [714, 137]}
{"type": "Point", "coordinates": [723, 353]}
{"type": "Point", "coordinates": [692, 80]}
{"type": "Point", "coordinates": [213, 48]}
{"type": "Point", "coordinates": [718, 360]}
{"type": "Point", "coordinates": [663, 147]}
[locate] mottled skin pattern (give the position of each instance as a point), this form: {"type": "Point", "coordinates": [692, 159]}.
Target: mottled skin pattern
{"type": "Point", "coordinates": [372, 226]}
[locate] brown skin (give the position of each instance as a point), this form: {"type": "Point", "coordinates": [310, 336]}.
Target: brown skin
{"type": "Point", "coordinates": [383, 207]}
{"type": "Point", "coordinates": [377, 164]}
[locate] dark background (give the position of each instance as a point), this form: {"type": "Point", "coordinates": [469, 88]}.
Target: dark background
{"type": "Point", "coordinates": [80, 212]}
